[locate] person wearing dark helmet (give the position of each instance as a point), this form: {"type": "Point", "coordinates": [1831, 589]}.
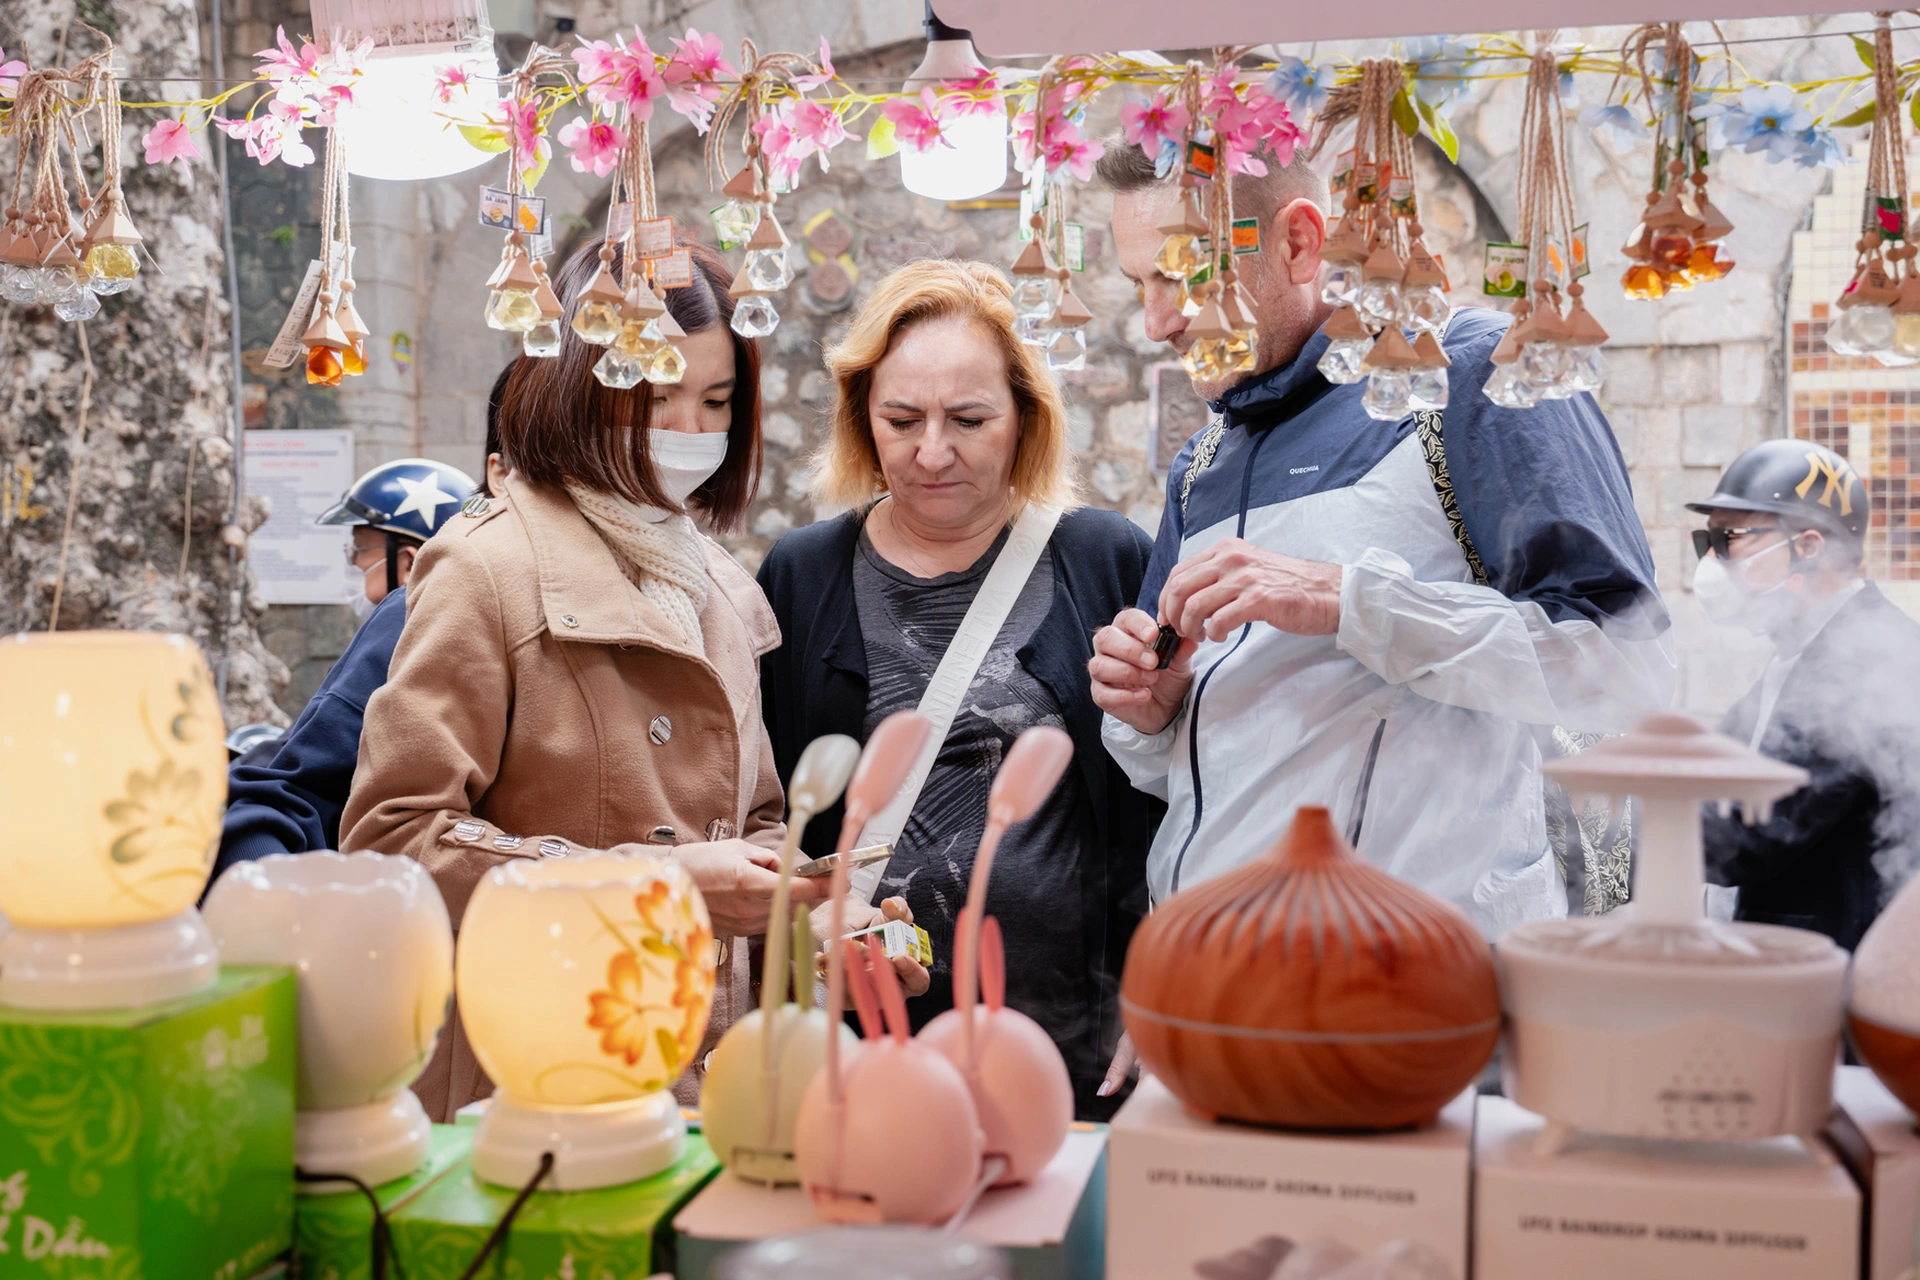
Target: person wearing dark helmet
{"type": "Point", "coordinates": [1781, 557]}
{"type": "Point", "coordinates": [286, 794]}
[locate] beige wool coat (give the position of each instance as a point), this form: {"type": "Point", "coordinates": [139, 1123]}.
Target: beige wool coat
{"type": "Point", "coordinates": [539, 704]}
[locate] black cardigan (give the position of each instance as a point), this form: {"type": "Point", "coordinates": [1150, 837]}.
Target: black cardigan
{"type": "Point", "coordinates": [815, 683]}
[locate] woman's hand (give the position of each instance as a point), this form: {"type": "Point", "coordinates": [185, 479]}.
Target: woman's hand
{"type": "Point", "coordinates": [737, 880]}
{"type": "Point", "coordinates": [864, 915]}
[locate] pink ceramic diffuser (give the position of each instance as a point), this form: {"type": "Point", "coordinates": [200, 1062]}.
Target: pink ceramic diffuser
{"type": "Point", "coordinates": [891, 1135]}
{"type": "Point", "coordinates": [1015, 1072]}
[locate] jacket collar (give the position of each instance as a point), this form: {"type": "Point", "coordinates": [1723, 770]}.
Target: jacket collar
{"type": "Point", "coordinates": [586, 596]}
{"type": "Point", "coordinates": [1270, 398]}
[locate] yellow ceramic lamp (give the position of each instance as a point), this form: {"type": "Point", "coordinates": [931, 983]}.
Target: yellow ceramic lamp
{"type": "Point", "coordinates": [584, 986]}
{"type": "Point", "coordinates": [113, 774]}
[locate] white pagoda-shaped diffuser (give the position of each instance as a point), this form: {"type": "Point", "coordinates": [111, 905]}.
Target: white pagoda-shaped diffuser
{"type": "Point", "coordinates": [1654, 1021]}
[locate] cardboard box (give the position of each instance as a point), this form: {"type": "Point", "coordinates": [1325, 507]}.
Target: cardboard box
{"type": "Point", "coordinates": [1187, 1194]}
{"type": "Point", "coordinates": [1876, 1137]}
{"type": "Point", "coordinates": [1052, 1229]}
{"type": "Point", "coordinates": [1613, 1207]}
{"type": "Point", "coordinates": [153, 1142]}
{"type": "Point", "coordinates": [333, 1234]}
{"type": "Point", "coordinates": [610, 1234]}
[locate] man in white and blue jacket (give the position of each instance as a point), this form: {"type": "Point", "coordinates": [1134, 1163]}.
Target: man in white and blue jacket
{"type": "Point", "coordinates": [1340, 644]}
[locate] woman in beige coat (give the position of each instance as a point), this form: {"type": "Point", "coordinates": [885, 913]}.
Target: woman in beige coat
{"type": "Point", "coordinates": [579, 668]}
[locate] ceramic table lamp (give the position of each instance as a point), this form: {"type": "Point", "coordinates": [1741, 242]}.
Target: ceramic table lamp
{"type": "Point", "coordinates": [113, 771]}
{"type": "Point", "coordinates": [1311, 990]}
{"type": "Point", "coordinates": [1883, 1000]}
{"type": "Point", "coordinates": [761, 1068]}
{"type": "Point", "coordinates": [368, 938]}
{"type": "Point", "coordinates": [1653, 1021]}
{"type": "Point", "coordinates": [584, 987]}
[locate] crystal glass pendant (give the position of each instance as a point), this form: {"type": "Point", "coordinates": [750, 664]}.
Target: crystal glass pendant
{"type": "Point", "coordinates": [1342, 287]}
{"type": "Point", "coordinates": [1035, 296]}
{"type": "Point", "coordinates": [1586, 369]}
{"type": "Point", "coordinates": [1889, 358]}
{"type": "Point", "coordinates": [1427, 388]}
{"type": "Point", "coordinates": [1341, 363]}
{"type": "Point", "coordinates": [597, 322]}
{"type": "Point", "coordinates": [1389, 395]}
{"type": "Point", "coordinates": [1379, 303]}
{"type": "Point", "coordinates": [1562, 389]}
{"type": "Point", "coordinates": [667, 366]}
{"type": "Point", "coordinates": [1906, 333]}
{"type": "Point", "coordinates": [1240, 353]}
{"type": "Point", "coordinates": [768, 270]}
{"type": "Point", "coordinates": [323, 367]}
{"type": "Point", "coordinates": [1671, 250]}
{"type": "Point", "coordinates": [1423, 308]}
{"type": "Point", "coordinates": [1542, 363]}
{"type": "Point", "coordinates": [111, 268]}
{"type": "Point", "coordinates": [618, 370]}
{"type": "Point", "coordinates": [66, 284]}
{"type": "Point", "coordinates": [20, 284]}
{"type": "Point", "coordinates": [1873, 327]}
{"type": "Point", "coordinates": [1840, 339]}
{"type": "Point", "coordinates": [754, 316]}
{"type": "Point", "coordinates": [353, 361]}
{"type": "Point", "coordinates": [1179, 257]}
{"type": "Point", "coordinates": [1066, 350]}
{"type": "Point", "coordinates": [1509, 390]}
{"type": "Point", "coordinates": [1207, 360]}
{"type": "Point", "coordinates": [84, 306]}
{"type": "Point", "coordinates": [543, 339]}
{"type": "Point", "coordinates": [736, 220]}
{"type": "Point", "coordinates": [512, 310]}
{"type": "Point", "coordinates": [637, 340]}
{"type": "Point", "coordinates": [1643, 283]}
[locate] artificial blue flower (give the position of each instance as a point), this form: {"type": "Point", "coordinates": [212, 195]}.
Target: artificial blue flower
{"type": "Point", "coordinates": [1168, 157]}
{"type": "Point", "coordinates": [1617, 122]}
{"type": "Point", "coordinates": [1301, 85]}
{"type": "Point", "coordinates": [1767, 118]}
{"type": "Point", "coordinates": [1569, 95]}
{"type": "Point", "coordinates": [1819, 149]}
{"type": "Point", "coordinates": [1440, 64]}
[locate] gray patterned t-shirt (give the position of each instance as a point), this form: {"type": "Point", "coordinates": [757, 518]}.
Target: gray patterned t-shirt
{"type": "Point", "coordinates": [908, 622]}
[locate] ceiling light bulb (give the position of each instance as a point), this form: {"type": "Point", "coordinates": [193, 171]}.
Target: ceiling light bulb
{"type": "Point", "coordinates": [976, 162]}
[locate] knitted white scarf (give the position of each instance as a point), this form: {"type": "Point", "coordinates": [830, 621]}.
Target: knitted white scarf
{"type": "Point", "coordinates": [661, 555]}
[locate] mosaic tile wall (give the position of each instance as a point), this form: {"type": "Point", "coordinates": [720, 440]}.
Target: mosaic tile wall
{"type": "Point", "coordinates": [1865, 412]}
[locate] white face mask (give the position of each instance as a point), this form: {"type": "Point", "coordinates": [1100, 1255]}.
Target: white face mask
{"type": "Point", "coordinates": [685, 460]}
{"type": "Point", "coordinates": [357, 588]}
{"type": "Point", "coordinates": [1725, 596]}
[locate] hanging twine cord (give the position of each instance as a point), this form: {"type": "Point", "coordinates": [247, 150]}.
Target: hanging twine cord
{"type": "Point", "coordinates": [760, 73]}
{"type": "Point", "coordinates": [1545, 197]}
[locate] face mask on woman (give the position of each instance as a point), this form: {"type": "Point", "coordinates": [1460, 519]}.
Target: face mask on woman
{"type": "Point", "coordinates": [684, 460]}
{"type": "Point", "coordinates": [1726, 596]}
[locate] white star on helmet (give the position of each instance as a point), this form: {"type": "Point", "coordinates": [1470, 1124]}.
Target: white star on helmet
{"type": "Point", "coordinates": [423, 496]}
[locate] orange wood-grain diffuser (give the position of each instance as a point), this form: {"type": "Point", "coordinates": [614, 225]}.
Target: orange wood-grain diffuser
{"type": "Point", "coordinates": [1310, 990]}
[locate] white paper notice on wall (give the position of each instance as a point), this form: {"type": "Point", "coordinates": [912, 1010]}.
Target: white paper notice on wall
{"type": "Point", "coordinates": [303, 473]}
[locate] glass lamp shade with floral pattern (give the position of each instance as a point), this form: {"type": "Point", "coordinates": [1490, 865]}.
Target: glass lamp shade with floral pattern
{"type": "Point", "coordinates": [584, 986]}
{"type": "Point", "coordinates": [368, 938]}
{"type": "Point", "coordinates": [113, 776]}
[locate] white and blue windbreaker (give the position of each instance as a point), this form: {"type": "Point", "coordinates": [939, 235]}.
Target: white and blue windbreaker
{"type": "Point", "coordinates": [1450, 677]}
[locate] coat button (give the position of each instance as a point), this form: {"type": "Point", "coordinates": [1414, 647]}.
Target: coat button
{"type": "Point", "coordinates": [551, 848]}
{"type": "Point", "coordinates": [661, 731]}
{"type": "Point", "coordinates": [569, 620]}
{"type": "Point", "coordinates": [468, 832]}
{"type": "Point", "coordinates": [720, 829]}
{"type": "Point", "coordinates": [663, 835]}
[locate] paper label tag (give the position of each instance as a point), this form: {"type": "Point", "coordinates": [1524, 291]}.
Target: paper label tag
{"type": "Point", "coordinates": [1246, 235]}
{"type": "Point", "coordinates": [1342, 172]}
{"type": "Point", "coordinates": [1446, 285]}
{"type": "Point", "coordinates": [286, 346]}
{"type": "Point", "coordinates": [673, 270]}
{"type": "Point", "coordinates": [1890, 218]}
{"type": "Point", "coordinates": [1400, 197]}
{"type": "Point", "coordinates": [530, 215]}
{"type": "Point", "coordinates": [1076, 247]}
{"type": "Point", "coordinates": [654, 237]}
{"type": "Point", "coordinates": [1506, 271]}
{"type": "Point", "coordinates": [538, 247]}
{"type": "Point", "coordinates": [620, 220]}
{"type": "Point", "coordinates": [1202, 160]}
{"type": "Point", "coordinates": [1367, 179]}
{"type": "Point", "coordinates": [496, 208]}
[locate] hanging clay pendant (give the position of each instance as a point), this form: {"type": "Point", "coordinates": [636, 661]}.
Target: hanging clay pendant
{"type": "Point", "coordinates": [1311, 990]}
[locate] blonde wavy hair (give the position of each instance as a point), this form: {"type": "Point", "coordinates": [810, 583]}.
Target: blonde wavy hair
{"type": "Point", "coordinates": [847, 469]}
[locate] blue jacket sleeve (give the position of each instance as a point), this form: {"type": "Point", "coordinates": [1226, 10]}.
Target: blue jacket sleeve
{"type": "Point", "coordinates": [292, 803]}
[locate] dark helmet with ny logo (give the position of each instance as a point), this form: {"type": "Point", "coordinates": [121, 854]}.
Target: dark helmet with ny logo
{"type": "Point", "coordinates": [1806, 485]}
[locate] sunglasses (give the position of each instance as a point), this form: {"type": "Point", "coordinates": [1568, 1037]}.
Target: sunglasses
{"type": "Point", "coordinates": [1718, 541]}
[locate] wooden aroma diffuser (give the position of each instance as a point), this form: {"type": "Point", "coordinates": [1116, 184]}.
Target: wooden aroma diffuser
{"type": "Point", "coordinates": [1883, 997]}
{"type": "Point", "coordinates": [1310, 990]}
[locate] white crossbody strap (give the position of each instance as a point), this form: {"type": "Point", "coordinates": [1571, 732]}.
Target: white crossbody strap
{"type": "Point", "coordinates": [954, 676]}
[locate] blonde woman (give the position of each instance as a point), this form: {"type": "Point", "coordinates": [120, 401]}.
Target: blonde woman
{"type": "Point", "coordinates": [946, 433]}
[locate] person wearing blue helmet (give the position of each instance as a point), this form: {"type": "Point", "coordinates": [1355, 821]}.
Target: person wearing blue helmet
{"type": "Point", "coordinates": [286, 796]}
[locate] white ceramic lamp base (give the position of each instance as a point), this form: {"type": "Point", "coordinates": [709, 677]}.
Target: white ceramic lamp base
{"type": "Point", "coordinates": [596, 1146]}
{"type": "Point", "coordinates": [122, 967]}
{"type": "Point", "coordinates": [375, 1143]}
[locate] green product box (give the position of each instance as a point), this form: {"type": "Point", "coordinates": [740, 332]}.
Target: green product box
{"type": "Point", "coordinates": [333, 1234]}
{"type": "Point", "coordinates": [150, 1144]}
{"type": "Point", "coordinates": [615, 1233]}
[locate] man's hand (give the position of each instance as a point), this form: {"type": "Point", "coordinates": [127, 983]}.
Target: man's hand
{"type": "Point", "coordinates": [1127, 684]}
{"type": "Point", "coordinates": [736, 879]}
{"type": "Point", "coordinates": [864, 915]}
{"type": "Point", "coordinates": [1234, 582]}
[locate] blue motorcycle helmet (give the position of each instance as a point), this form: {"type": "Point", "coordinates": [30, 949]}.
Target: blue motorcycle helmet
{"type": "Point", "coordinates": [408, 501]}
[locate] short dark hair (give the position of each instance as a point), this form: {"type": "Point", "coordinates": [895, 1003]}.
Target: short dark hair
{"type": "Point", "coordinates": [1124, 167]}
{"type": "Point", "coordinates": [560, 425]}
